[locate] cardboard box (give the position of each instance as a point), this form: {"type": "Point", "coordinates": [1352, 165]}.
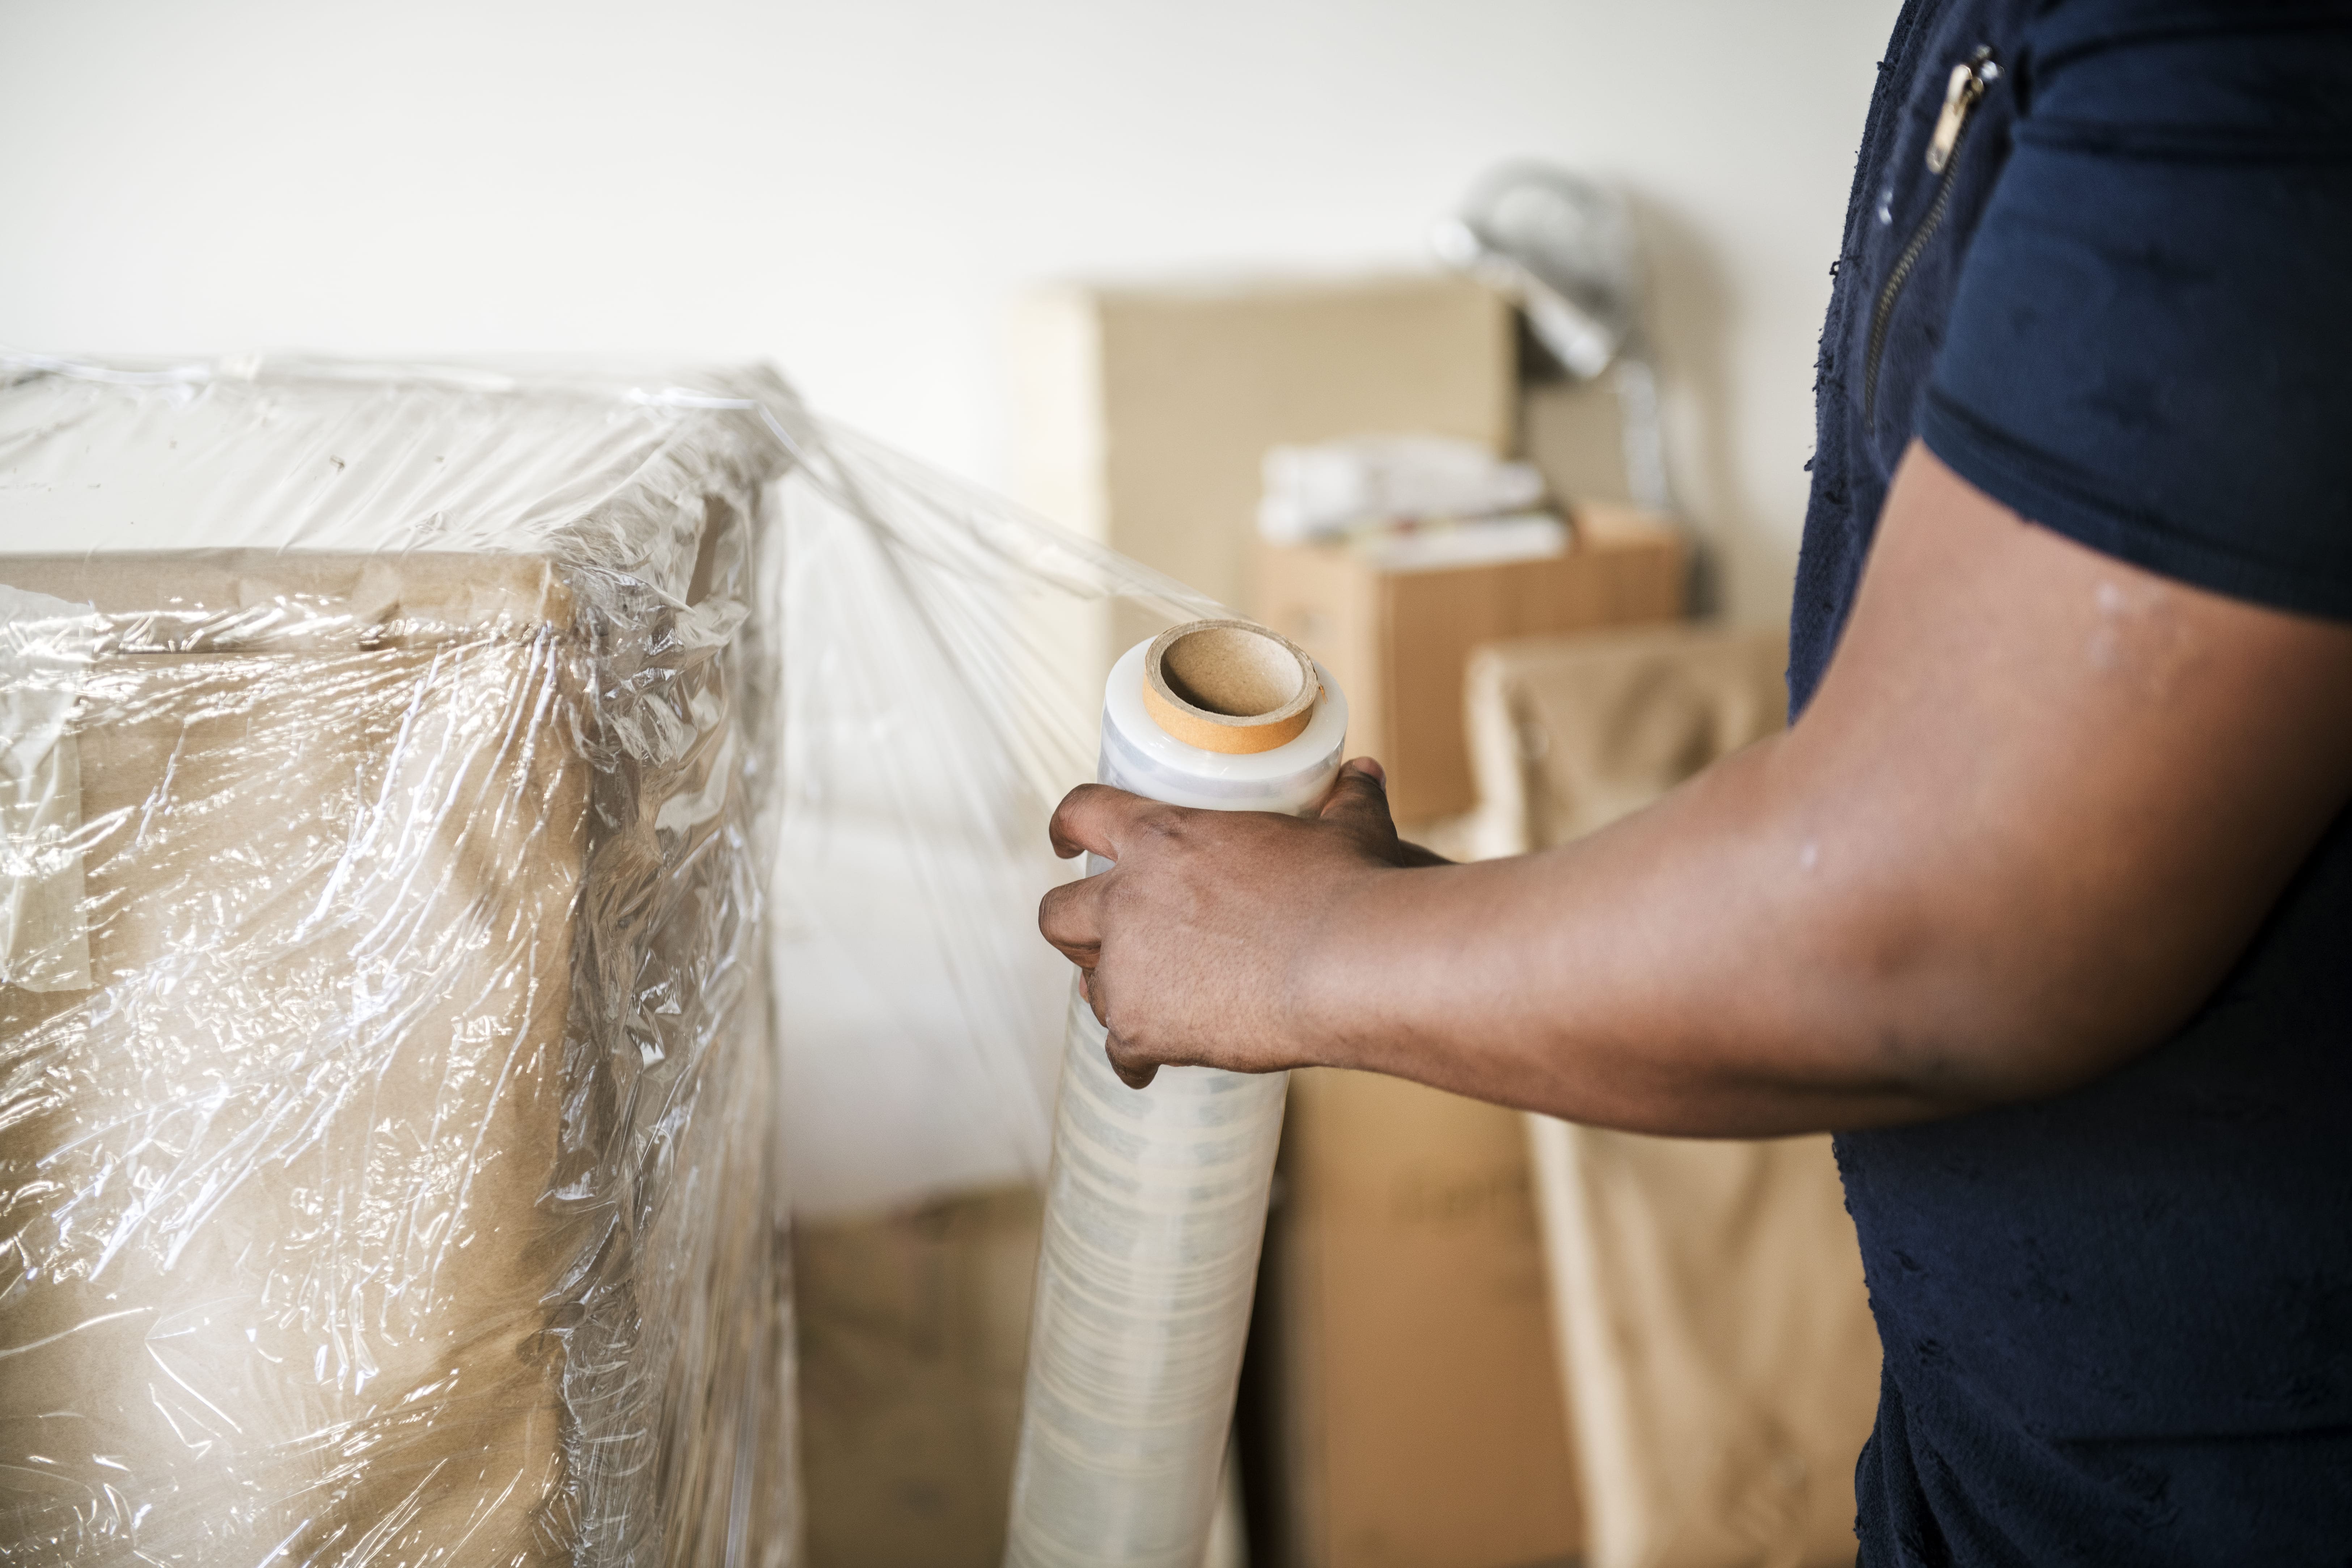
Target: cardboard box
{"type": "Point", "coordinates": [1143, 415]}
{"type": "Point", "coordinates": [1401, 1404]}
{"type": "Point", "coordinates": [1399, 642]}
{"type": "Point", "coordinates": [1574, 433]}
{"type": "Point", "coordinates": [911, 1328]}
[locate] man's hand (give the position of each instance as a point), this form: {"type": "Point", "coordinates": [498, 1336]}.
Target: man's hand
{"type": "Point", "coordinates": [1188, 942]}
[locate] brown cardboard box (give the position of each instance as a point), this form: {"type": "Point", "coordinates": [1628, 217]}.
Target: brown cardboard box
{"type": "Point", "coordinates": [1399, 642]}
{"type": "Point", "coordinates": [1144, 413]}
{"type": "Point", "coordinates": [1574, 433]}
{"type": "Point", "coordinates": [1403, 1377]}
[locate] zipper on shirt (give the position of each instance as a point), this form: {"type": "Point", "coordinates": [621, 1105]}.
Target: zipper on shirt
{"type": "Point", "coordinates": [1962, 89]}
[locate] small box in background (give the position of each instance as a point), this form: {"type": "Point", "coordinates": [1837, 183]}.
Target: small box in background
{"type": "Point", "coordinates": [1574, 434]}
{"type": "Point", "coordinates": [1398, 639]}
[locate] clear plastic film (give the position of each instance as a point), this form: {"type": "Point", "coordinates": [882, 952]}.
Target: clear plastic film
{"type": "Point", "coordinates": [474, 843]}
{"type": "Point", "coordinates": [1154, 1215]}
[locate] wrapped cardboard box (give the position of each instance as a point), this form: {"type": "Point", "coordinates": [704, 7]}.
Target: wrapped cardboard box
{"type": "Point", "coordinates": [387, 1168]}
{"type": "Point", "coordinates": [426, 796]}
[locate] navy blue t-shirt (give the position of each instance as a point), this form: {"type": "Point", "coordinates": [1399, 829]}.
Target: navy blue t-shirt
{"type": "Point", "coordinates": [2117, 1323]}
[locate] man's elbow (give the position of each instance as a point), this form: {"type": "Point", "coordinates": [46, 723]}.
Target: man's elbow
{"type": "Point", "coordinates": [1962, 1021]}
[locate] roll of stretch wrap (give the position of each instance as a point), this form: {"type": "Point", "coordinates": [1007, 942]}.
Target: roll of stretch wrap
{"type": "Point", "coordinates": [1156, 1200]}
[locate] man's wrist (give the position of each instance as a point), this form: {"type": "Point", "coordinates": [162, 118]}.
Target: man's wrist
{"type": "Point", "coordinates": [1330, 995]}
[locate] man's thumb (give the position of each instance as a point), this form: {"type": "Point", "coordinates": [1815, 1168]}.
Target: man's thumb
{"type": "Point", "coordinates": [1359, 798]}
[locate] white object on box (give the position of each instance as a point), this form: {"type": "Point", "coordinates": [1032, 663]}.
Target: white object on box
{"type": "Point", "coordinates": [1452, 546]}
{"type": "Point", "coordinates": [1324, 491]}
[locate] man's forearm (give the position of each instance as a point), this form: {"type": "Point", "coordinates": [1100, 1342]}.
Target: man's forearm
{"type": "Point", "coordinates": [1688, 970]}
{"type": "Point", "coordinates": [2040, 804]}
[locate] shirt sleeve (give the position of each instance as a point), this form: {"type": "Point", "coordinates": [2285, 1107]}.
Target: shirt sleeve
{"type": "Point", "coordinates": [2150, 351]}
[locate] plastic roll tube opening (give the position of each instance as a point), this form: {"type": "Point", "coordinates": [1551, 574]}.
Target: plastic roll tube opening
{"type": "Point", "coordinates": [1156, 1198]}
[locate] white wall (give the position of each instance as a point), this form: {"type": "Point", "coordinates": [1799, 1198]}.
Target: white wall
{"type": "Point", "coordinates": [857, 189]}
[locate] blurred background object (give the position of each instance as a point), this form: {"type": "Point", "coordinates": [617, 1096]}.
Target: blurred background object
{"type": "Point", "coordinates": [1559, 247]}
{"type": "Point", "coordinates": [1562, 250]}
{"type": "Point", "coordinates": [911, 1329]}
{"type": "Point", "coordinates": [1567, 734]}
{"type": "Point", "coordinates": [1145, 413]}
{"type": "Point", "coordinates": [1337, 488]}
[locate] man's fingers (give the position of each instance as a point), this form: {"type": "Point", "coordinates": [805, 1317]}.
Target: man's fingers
{"type": "Point", "coordinates": [1069, 917]}
{"type": "Point", "coordinates": [1134, 1074]}
{"type": "Point", "coordinates": [1090, 992]}
{"type": "Point", "coordinates": [1093, 819]}
{"type": "Point", "coordinates": [1414, 855]}
{"type": "Point", "coordinates": [1360, 799]}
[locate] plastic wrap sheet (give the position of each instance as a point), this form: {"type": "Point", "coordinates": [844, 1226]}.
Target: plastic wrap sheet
{"type": "Point", "coordinates": [424, 791]}
{"type": "Point", "coordinates": [943, 682]}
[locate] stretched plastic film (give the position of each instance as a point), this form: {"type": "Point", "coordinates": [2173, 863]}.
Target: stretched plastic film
{"type": "Point", "coordinates": [454, 819]}
{"type": "Point", "coordinates": [1155, 1204]}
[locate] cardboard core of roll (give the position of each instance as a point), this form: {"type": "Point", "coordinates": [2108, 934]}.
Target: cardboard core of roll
{"type": "Point", "coordinates": [1229, 686]}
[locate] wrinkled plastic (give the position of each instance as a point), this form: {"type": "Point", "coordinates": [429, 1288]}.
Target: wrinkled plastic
{"type": "Point", "coordinates": [425, 794]}
{"type": "Point", "coordinates": [387, 1168]}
